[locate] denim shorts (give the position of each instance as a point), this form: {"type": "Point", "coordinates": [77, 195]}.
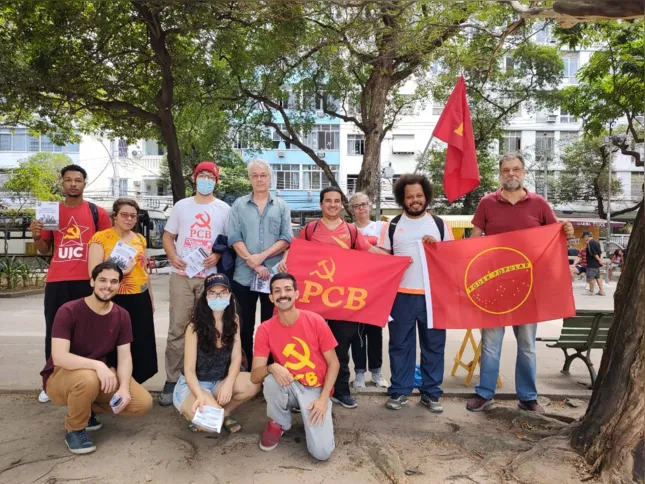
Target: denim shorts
{"type": "Point", "coordinates": [593, 273]}
{"type": "Point", "coordinates": [182, 392]}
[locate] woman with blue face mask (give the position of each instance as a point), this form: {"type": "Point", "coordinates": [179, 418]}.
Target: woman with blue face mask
{"type": "Point", "coordinates": [212, 373]}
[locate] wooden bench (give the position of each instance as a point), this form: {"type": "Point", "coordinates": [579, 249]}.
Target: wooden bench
{"type": "Point", "coordinates": [587, 330]}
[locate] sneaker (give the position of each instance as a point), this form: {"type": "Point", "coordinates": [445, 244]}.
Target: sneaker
{"type": "Point", "coordinates": [531, 406]}
{"type": "Point", "coordinates": [345, 400]}
{"type": "Point", "coordinates": [271, 436]}
{"type": "Point", "coordinates": [395, 402]}
{"type": "Point", "coordinates": [433, 403]}
{"type": "Point", "coordinates": [42, 397]}
{"type": "Point", "coordinates": [79, 442]}
{"type": "Point", "coordinates": [479, 404]}
{"type": "Point", "coordinates": [378, 380]}
{"type": "Point", "coordinates": [359, 381]}
{"type": "Point", "coordinates": [165, 399]}
{"type": "Point", "coordinates": [93, 423]}
{"type": "Point", "coordinates": [295, 410]}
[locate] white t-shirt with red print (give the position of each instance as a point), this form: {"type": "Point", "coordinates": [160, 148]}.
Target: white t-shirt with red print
{"type": "Point", "coordinates": [197, 225]}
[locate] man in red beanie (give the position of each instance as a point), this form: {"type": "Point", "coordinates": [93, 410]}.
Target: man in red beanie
{"type": "Point", "coordinates": [193, 226]}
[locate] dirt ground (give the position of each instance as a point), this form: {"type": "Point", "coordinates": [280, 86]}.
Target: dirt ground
{"type": "Point", "coordinates": [373, 445]}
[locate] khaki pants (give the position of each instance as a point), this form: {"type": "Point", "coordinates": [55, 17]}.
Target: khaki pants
{"type": "Point", "coordinates": [80, 391]}
{"type": "Point", "coordinates": [184, 293]}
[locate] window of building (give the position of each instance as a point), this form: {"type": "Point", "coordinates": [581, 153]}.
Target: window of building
{"type": "Point", "coordinates": [637, 185]}
{"type": "Point", "coordinates": [566, 117]}
{"type": "Point", "coordinates": [570, 68]}
{"type": "Point", "coordinates": [286, 177]}
{"type": "Point", "coordinates": [123, 187]}
{"type": "Point", "coordinates": [355, 144]}
{"type": "Point", "coordinates": [509, 64]}
{"type": "Point", "coordinates": [122, 147]}
{"type": "Point", "coordinates": [277, 139]}
{"type": "Point", "coordinates": [511, 142]}
{"type": "Point", "coordinates": [5, 141]}
{"type": "Point", "coordinates": [34, 143]}
{"type": "Point", "coordinates": [152, 148]}
{"type": "Point", "coordinates": [46, 144]}
{"type": "Point", "coordinates": [313, 178]}
{"type": "Point", "coordinates": [241, 140]}
{"type": "Point", "coordinates": [568, 137]}
{"type": "Point", "coordinates": [403, 143]}
{"type": "Point", "coordinates": [539, 183]}
{"type": "Point", "coordinates": [544, 146]}
{"type": "Point", "coordinates": [20, 140]}
{"type": "Point", "coordinates": [352, 180]}
{"type": "Point", "coordinates": [437, 108]}
{"type": "Point", "coordinates": [328, 137]}
{"type": "Point", "coordinates": [543, 33]}
{"type": "Point", "coordinates": [72, 148]}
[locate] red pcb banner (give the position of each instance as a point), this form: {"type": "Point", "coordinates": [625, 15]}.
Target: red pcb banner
{"type": "Point", "coordinates": [345, 284]}
{"type": "Point", "coordinates": [508, 279]}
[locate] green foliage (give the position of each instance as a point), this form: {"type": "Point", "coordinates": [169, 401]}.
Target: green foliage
{"type": "Point", "coordinates": [14, 273]}
{"type": "Point", "coordinates": [611, 85]}
{"type": "Point", "coordinates": [37, 177]}
{"type": "Point", "coordinates": [586, 164]}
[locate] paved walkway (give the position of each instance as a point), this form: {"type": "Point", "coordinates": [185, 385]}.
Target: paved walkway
{"type": "Point", "coordinates": [22, 333]}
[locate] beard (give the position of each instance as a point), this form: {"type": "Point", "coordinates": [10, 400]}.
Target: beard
{"type": "Point", "coordinates": [512, 185]}
{"type": "Point", "coordinates": [102, 299]}
{"type": "Point", "coordinates": [415, 213]}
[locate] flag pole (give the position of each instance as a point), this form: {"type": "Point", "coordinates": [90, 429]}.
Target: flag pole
{"type": "Point", "coordinates": [423, 155]}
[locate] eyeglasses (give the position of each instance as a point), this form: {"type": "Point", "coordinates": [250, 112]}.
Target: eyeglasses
{"type": "Point", "coordinates": [360, 205]}
{"type": "Point", "coordinates": [218, 295]}
{"type": "Point", "coordinates": [261, 176]}
{"type": "Point", "coordinates": [126, 216]}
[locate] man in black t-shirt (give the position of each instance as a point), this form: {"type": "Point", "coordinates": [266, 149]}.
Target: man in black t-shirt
{"type": "Point", "coordinates": [594, 263]}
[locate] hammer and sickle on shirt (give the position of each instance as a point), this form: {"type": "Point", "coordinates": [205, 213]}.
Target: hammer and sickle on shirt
{"type": "Point", "coordinates": [328, 273]}
{"type": "Point", "coordinates": [73, 232]}
{"type": "Point", "coordinates": [204, 218]}
{"type": "Point", "coordinates": [303, 359]}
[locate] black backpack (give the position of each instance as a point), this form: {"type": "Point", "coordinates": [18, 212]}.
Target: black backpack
{"type": "Point", "coordinates": [395, 221]}
{"type": "Point", "coordinates": [353, 234]}
{"type": "Point", "coordinates": [95, 216]}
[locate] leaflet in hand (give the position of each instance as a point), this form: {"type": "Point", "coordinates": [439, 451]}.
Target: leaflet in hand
{"type": "Point", "coordinates": [195, 262]}
{"type": "Point", "coordinates": [260, 285]}
{"type": "Point", "coordinates": [47, 213]}
{"type": "Point", "coordinates": [123, 254]}
{"type": "Point", "coordinates": [211, 419]}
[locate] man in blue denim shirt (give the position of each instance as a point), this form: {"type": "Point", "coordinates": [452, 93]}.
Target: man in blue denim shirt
{"type": "Point", "coordinates": [259, 230]}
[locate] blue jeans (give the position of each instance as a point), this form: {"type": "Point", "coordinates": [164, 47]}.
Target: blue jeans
{"type": "Point", "coordinates": [525, 365]}
{"type": "Point", "coordinates": [182, 392]}
{"type": "Point", "coordinates": [409, 315]}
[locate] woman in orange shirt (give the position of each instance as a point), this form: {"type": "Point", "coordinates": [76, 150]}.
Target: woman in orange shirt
{"type": "Point", "coordinates": [135, 293]}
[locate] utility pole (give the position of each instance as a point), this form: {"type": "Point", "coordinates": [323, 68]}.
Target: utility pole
{"type": "Point", "coordinates": [611, 153]}
{"type": "Point", "coordinates": [115, 170]}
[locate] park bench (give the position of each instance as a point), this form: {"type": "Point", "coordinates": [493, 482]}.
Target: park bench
{"type": "Point", "coordinates": [585, 331]}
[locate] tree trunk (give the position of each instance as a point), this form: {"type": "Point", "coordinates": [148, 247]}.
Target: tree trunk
{"type": "Point", "coordinates": [174, 158]}
{"type": "Point", "coordinates": [612, 428]}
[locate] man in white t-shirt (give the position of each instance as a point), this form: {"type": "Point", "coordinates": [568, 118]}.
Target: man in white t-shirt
{"type": "Point", "coordinates": [413, 193]}
{"type": "Point", "coordinates": [367, 345]}
{"type": "Point", "coordinates": [194, 224]}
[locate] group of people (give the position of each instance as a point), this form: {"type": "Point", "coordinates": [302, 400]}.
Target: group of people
{"type": "Point", "coordinates": [214, 355]}
{"type": "Point", "coordinates": [589, 261]}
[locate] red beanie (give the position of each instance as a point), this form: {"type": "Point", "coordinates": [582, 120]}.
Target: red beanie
{"type": "Point", "coordinates": [208, 166]}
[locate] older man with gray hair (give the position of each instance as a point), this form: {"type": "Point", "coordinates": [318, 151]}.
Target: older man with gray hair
{"type": "Point", "coordinates": [259, 231]}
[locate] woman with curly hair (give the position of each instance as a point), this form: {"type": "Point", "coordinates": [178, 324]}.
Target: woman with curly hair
{"type": "Point", "coordinates": [212, 373]}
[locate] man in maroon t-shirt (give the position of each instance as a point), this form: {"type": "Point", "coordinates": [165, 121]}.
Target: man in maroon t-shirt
{"type": "Point", "coordinates": [510, 208]}
{"type": "Point", "coordinates": [67, 277]}
{"type": "Point", "coordinates": [90, 368]}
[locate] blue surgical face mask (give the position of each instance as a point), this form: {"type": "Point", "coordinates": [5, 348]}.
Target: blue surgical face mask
{"type": "Point", "coordinates": [205, 186]}
{"type": "Point", "coordinates": [219, 304]}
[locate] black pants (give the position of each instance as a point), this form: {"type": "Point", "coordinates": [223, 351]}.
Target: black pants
{"type": "Point", "coordinates": [57, 294]}
{"type": "Point", "coordinates": [248, 301]}
{"type": "Point", "coordinates": [367, 346]}
{"type": "Point", "coordinates": [344, 332]}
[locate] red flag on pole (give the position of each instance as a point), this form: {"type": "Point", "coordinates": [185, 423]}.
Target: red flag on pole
{"type": "Point", "coordinates": [461, 173]}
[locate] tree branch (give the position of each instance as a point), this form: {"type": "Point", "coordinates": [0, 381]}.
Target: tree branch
{"type": "Point", "coordinates": [627, 210]}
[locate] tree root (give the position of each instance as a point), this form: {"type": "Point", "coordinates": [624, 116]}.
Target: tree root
{"type": "Point", "coordinates": [20, 463]}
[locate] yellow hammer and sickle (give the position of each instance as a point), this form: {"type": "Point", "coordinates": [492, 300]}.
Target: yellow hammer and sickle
{"type": "Point", "coordinates": [303, 360]}
{"type": "Point", "coordinates": [329, 274]}
{"type": "Point", "coordinates": [73, 232]}
{"type": "Point", "coordinates": [460, 130]}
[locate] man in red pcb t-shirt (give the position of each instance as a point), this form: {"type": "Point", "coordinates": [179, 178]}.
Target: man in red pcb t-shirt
{"type": "Point", "coordinates": [67, 277]}
{"type": "Point", "coordinates": [331, 229]}
{"type": "Point", "coordinates": [304, 371]}
{"type": "Point", "coordinates": [91, 366]}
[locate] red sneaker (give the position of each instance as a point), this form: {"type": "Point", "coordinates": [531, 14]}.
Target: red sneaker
{"type": "Point", "coordinates": [271, 436]}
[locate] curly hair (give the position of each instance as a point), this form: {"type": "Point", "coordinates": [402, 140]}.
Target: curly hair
{"type": "Point", "coordinates": [204, 324]}
{"type": "Point", "coordinates": [412, 179]}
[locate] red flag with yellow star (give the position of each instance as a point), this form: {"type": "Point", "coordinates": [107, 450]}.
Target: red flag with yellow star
{"type": "Point", "coordinates": [461, 173]}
